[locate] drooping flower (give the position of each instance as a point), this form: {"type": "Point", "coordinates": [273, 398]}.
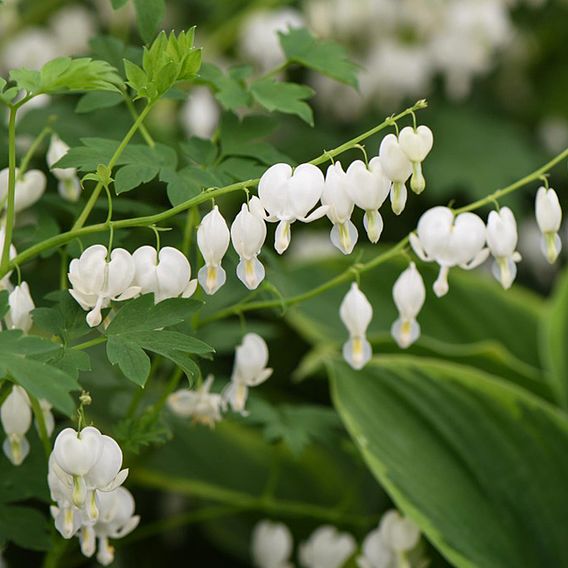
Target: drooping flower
{"type": "Point", "coordinates": [21, 305]}
{"type": "Point", "coordinates": [248, 233]}
{"type": "Point", "coordinates": [271, 545]}
{"type": "Point", "coordinates": [549, 217]}
{"type": "Point", "coordinates": [356, 313]}
{"type": "Point", "coordinates": [449, 241]}
{"type": "Point", "coordinates": [340, 207]}
{"type": "Point", "coordinates": [288, 196]}
{"type": "Point", "coordinates": [327, 548]}
{"type": "Point", "coordinates": [213, 240]}
{"type": "Point", "coordinates": [201, 405]}
{"type": "Point", "coordinates": [249, 370]}
{"type": "Point", "coordinates": [416, 144]}
{"type": "Point", "coordinates": [368, 188]}
{"type": "Point", "coordinates": [97, 281]}
{"type": "Point", "coordinates": [502, 241]}
{"type": "Point", "coordinates": [166, 274]}
{"type": "Point", "coordinates": [409, 294]}
{"type": "Point", "coordinates": [69, 184]}
{"type": "Point", "coordinates": [16, 417]}
{"type": "Point", "coordinates": [5, 281]}
{"type": "Point", "coordinates": [397, 167]}
{"type": "Point", "coordinates": [29, 188]}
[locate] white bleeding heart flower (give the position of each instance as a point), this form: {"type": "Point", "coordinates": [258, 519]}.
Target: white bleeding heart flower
{"type": "Point", "coordinates": [248, 233]}
{"type": "Point", "coordinates": [502, 241]}
{"type": "Point", "coordinates": [67, 520]}
{"type": "Point", "coordinates": [399, 532]}
{"type": "Point", "coordinates": [213, 241]}
{"type": "Point", "coordinates": [249, 370]}
{"type": "Point", "coordinates": [70, 189]}
{"type": "Point", "coordinates": [16, 417]}
{"type": "Point", "coordinates": [409, 294]}
{"type": "Point", "coordinates": [356, 313]}
{"type": "Point", "coordinates": [166, 274]}
{"type": "Point", "coordinates": [449, 241]}
{"type": "Point", "coordinates": [369, 188]}
{"type": "Point", "coordinates": [327, 548]}
{"type": "Point", "coordinates": [289, 195]}
{"type": "Point", "coordinates": [271, 545]}
{"type": "Point", "coordinates": [97, 281]}
{"type": "Point", "coordinates": [48, 419]}
{"type": "Point", "coordinates": [397, 167]}
{"type": "Point", "coordinates": [21, 305]}
{"type": "Point", "coordinates": [549, 217]}
{"type": "Point", "coordinates": [340, 206]}
{"type": "Point", "coordinates": [416, 144]}
{"type": "Point", "coordinates": [5, 282]}
{"type": "Point", "coordinates": [29, 188]}
{"type": "Point", "coordinates": [57, 149]}
{"type": "Point", "coordinates": [201, 405]}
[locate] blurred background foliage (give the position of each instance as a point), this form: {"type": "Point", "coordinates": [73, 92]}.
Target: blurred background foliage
{"type": "Point", "coordinates": [495, 75]}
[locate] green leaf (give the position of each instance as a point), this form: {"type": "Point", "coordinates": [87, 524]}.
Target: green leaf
{"type": "Point", "coordinates": [325, 57]}
{"type": "Point", "coordinates": [187, 183]}
{"type": "Point", "coordinates": [116, 4]}
{"type": "Point", "coordinates": [86, 158]}
{"type": "Point", "coordinates": [26, 527]}
{"type": "Point", "coordinates": [4, 305]}
{"type": "Point", "coordinates": [131, 176]}
{"type": "Point", "coordinates": [554, 339]}
{"type": "Point", "coordinates": [149, 15]}
{"type": "Point", "coordinates": [40, 379]}
{"type": "Point", "coordinates": [134, 434]}
{"type": "Point", "coordinates": [231, 92]}
{"type": "Point", "coordinates": [199, 150]}
{"type": "Point", "coordinates": [26, 79]}
{"type": "Point", "coordinates": [97, 100]}
{"type": "Point", "coordinates": [480, 465]}
{"type": "Point", "coordinates": [284, 97]}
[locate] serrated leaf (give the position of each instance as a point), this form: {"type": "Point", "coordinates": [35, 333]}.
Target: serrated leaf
{"type": "Point", "coordinates": [284, 97]}
{"type": "Point", "coordinates": [65, 320]}
{"type": "Point", "coordinates": [324, 56]}
{"type": "Point", "coordinates": [97, 100]}
{"type": "Point", "coordinates": [199, 150]}
{"type": "Point", "coordinates": [131, 176]}
{"type": "Point", "coordinates": [134, 434]}
{"type": "Point", "coordinates": [229, 91]}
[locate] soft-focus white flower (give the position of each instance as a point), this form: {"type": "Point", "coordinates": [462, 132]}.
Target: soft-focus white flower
{"type": "Point", "coordinates": [368, 188]}
{"type": "Point", "coordinates": [449, 241]}
{"type": "Point", "coordinates": [73, 26]}
{"type": "Point", "coordinates": [249, 370]}
{"type": "Point", "coordinates": [248, 233]}
{"type": "Point", "coordinates": [29, 188]}
{"type": "Point", "coordinates": [416, 144]}
{"type": "Point", "coordinates": [16, 417]}
{"type": "Point", "coordinates": [31, 49]}
{"type": "Point", "coordinates": [271, 545]}
{"type": "Point", "coordinates": [356, 313]}
{"type": "Point", "coordinates": [69, 186]}
{"type": "Point", "coordinates": [289, 195]}
{"type": "Point", "coordinates": [21, 305]}
{"type": "Point", "coordinates": [166, 274]}
{"type": "Point", "coordinates": [502, 242]}
{"type": "Point", "coordinates": [259, 40]}
{"type": "Point", "coordinates": [97, 281]}
{"type": "Point", "coordinates": [5, 281]}
{"type": "Point", "coordinates": [48, 419]}
{"type": "Point", "coordinates": [549, 217]}
{"type": "Point", "coordinates": [409, 294]}
{"type": "Point", "coordinates": [399, 532]}
{"type": "Point", "coordinates": [202, 406]}
{"type": "Point", "coordinates": [340, 206]}
{"type": "Point", "coordinates": [213, 240]}
{"type": "Point", "coordinates": [397, 167]}
{"type": "Point", "coordinates": [201, 113]}
{"type": "Point", "coordinates": [327, 548]}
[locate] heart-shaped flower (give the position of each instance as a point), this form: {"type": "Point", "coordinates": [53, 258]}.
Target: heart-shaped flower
{"type": "Point", "coordinates": [29, 188]}
{"type": "Point", "coordinates": [77, 452]}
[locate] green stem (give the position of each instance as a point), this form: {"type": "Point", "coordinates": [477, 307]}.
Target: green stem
{"type": "Point", "coordinates": [347, 275]}
{"type": "Point", "coordinates": [90, 343]}
{"type": "Point", "coordinates": [32, 150]}
{"type": "Point", "coordinates": [10, 207]}
{"type": "Point", "coordinates": [40, 420]}
{"type": "Point", "coordinates": [237, 499]}
{"type": "Point", "coordinates": [206, 195]}
{"type": "Point", "coordinates": [534, 176]}
{"type": "Point", "coordinates": [117, 153]}
{"type": "Point", "coordinates": [143, 130]}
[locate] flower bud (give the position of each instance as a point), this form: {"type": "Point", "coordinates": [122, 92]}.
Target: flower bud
{"type": "Point", "coordinates": [21, 306]}
{"type": "Point", "coordinates": [16, 417]}
{"type": "Point", "coordinates": [202, 406]}
{"type": "Point", "coordinates": [397, 167]}
{"type": "Point", "coordinates": [213, 241]}
{"type": "Point", "coordinates": [549, 217]}
{"type": "Point", "coordinates": [29, 188]}
{"type": "Point", "coordinates": [248, 233]}
{"type": "Point", "coordinates": [416, 144]}
{"type": "Point", "coordinates": [271, 545]}
{"type": "Point", "coordinates": [502, 241]}
{"type": "Point", "coordinates": [166, 274]}
{"type": "Point", "coordinates": [356, 313]}
{"type": "Point", "coordinates": [409, 294]}
{"type": "Point", "coordinates": [327, 548]}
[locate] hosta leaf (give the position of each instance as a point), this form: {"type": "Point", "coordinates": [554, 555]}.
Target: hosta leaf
{"type": "Point", "coordinates": [479, 464]}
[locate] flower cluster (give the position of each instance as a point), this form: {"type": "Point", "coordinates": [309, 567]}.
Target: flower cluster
{"type": "Point", "coordinates": [85, 478]}
{"type": "Point", "coordinates": [249, 370]}
{"type": "Point", "coordinates": [393, 544]}
{"type": "Point", "coordinates": [16, 417]}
